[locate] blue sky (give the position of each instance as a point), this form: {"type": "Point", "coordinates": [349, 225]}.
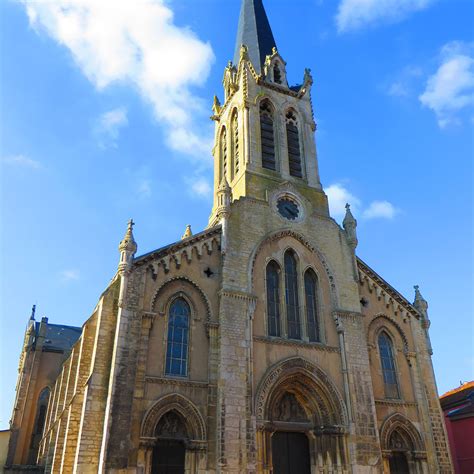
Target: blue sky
{"type": "Point", "coordinates": [105, 116]}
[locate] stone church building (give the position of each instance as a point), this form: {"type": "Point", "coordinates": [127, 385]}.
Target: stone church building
{"type": "Point", "coordinates": [262, 344]}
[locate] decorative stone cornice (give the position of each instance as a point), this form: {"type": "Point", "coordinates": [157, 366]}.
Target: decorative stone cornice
{"type": "Point", "coordinates": [240, 295]}
{"type": "Point", "coordinates": [175, 382]}
{"type": "Point", "coordinates": [196, 244]}
{"type": "Point", "coordinates": [293, 343]}
{"type": "Point", "coordinates": [385, 291]}
{"type": "Point", "coordinates": [395, 403]}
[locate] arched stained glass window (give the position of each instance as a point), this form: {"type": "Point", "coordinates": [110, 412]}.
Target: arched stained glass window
{"type": "Point", "coordinates": [235, 142]}
{"type": "Point", "coordinates": [273, 299]}
{"type": "Point", "coordinates": [178, 338]}
{"type": "Point", "coordinates": [40, 420]}
{"type": "Point", "coordinates": [388, 366]}
{"type": "Point", "coordinates": [293, 141]}
{"type": "Point", "coordinates": [291, 296]}
{"type": "Point", "coordinates": [312, 318]}
{"type": "Point", "coordinates": [267, 136]}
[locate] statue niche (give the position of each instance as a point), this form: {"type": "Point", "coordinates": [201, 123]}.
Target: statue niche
{"type": "Point", "coordinates": [287, 408]}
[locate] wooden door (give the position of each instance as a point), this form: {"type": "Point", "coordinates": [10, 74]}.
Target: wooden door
{"type": "Point", "coordinates": [290, 453]}
{"type": "Point", "coordinates": [399, 464]}
{"type": "Point", "coordinates": [168, 457]}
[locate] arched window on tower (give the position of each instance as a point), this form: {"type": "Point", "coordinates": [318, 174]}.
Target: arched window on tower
{"type": "Point", "coordinates": [276, 73]}
{"type": "Point", "coordinates": [235, 142]}
{"type": "Point", "coordinates": [273, 299]}
{"type": "Point", "coordinates": [312, 317]}
{"type": "Point", "coordinates": [293, 142]}
{"type": "Point", "coordinates": [41, 409]}
{"type": "Point", "coordinates": [223, 153]}
{"type": "Point", "coordinates": [267, 136]}
{"type": "Point", "coordinates": [291, 296]}
{"type": "Point", "coordinates": [388, 366]}
{"type": "Point", "coordinates": [178, 338]}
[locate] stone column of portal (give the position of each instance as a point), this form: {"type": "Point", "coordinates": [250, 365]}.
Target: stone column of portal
{"type": "Point", "coordinates": [235, 432]}
{"type": "Point", "coordinates": [364, 445]}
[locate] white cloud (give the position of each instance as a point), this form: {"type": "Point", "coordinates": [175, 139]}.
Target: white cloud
{"type": "Point", "coordinates": [338, 197]}
{"type": "Point", "coordinates": [200, 187]}
{"type": "Point", "coordinates": [380, 209]}
{"type": "Point", "coordinates": [22, 161]}
{"type": "Point", "coordinates": [109, 125]}
{"type": "Point", "coordinates": [451, 88]}
{"type": "Point", "coordinates": [70, 275]}
{"type": "Point", "coordinates": [355, 14]}
{"type": "Point", "coordinates": [137, 44]}
{"type": "Point", "coordinates": [404, 84]}
{"type": "Point", "coordinates": [144, 188]}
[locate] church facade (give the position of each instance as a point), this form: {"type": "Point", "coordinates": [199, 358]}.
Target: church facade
{"type": "Point", "coordinates": [262, 344]}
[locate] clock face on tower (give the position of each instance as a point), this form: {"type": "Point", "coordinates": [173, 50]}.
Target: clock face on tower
{"type": "Point", "coordinates": [288, 209]}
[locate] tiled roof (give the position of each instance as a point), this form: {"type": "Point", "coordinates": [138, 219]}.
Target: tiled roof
{"type": "Point", "coordinates": [461, 388]}
{"type": "Point", "coordinates": [59, 338]}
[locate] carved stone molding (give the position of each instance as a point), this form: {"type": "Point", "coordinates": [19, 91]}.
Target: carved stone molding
{"type": "Point", "coordinates": [399, 423]}
{"type": "Point", "coordinates": [293, 343]}
{"type": "Point", "coordinates": [381, 320]}
{"type": "Point", "coordinates": [194, 422]}
{"type": "Point", "coordinates": [176, 382]}
{"type": "Point", "coordinates": [240, 295]}
{"type": "Point", "coordinates": [395, 403]}
{"type": "Point", "coordinates": [319, 391]}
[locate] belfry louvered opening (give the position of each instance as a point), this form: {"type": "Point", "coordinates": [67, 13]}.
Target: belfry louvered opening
{"type": "Point", "coordinates": [293, 142]}
{"type": "Point", "coordinates": [267, 135]}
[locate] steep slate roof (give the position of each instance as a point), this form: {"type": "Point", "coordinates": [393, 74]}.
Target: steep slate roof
{"type": "Point", "coordinates": [255, 32]}
{"type": "Point", "coordinates": [59, 338]}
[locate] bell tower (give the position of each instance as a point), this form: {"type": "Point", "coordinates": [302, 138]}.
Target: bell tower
{"type": "Point", "coordinates": [264, 129]}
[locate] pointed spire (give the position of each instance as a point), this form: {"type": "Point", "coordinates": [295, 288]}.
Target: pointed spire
{"type": "Point", "coordinates": [255, 32]}
{"type": "Point", "coordinates": [128, 248]}
{"type": "Point", "coordinates": [350, 225]}
{"type": "Point", "coordinates": [420, 303]}
{"type": "Point", "coordinates": [187, 233]}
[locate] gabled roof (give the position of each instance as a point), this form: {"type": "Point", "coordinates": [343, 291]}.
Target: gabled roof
{"type": "Point", "coordinates": [254, 31]}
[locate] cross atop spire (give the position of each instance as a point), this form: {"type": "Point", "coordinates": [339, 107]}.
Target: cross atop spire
{"type": "Point", "coordinates": [255, 32]}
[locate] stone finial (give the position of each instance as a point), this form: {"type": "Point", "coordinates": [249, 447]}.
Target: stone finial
{"type": "Point", "coordinates": [350, 225]}
{"type": "Point", "coordinates": [33, 311]}
{"type": "Point", "coordinates": [216, 106]}
{"type": "Point", "coordinates": [244, 53]}
{"type": "Point", "coordinates": [127, 247]}
{"type": "Point", "coordinates": [187, 233]}
{"type": "Point", "coordinates": [420, 303]}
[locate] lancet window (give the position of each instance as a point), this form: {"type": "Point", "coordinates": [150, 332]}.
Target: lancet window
{"type": "Point", "coordinates": [388, 366]}
{"type": "Point", "coordinates": [311, 293]}
{"type": "Point", "coordinates": [235, 142]}
{"type": "Point", "coordinates": [293, 142]}
{"type": "Point", "coordinates": [223, 152]}
{"type": "Point", "coordinates": [291, 296]}
{"type": "Point", "coordinates": [277, 73]}
{"type": "Point", "coordinates": [267, 136]}
{"type": "Point", "coordinates": [273, 298]}
{"type": "Point", "coordinates": [178, 338]}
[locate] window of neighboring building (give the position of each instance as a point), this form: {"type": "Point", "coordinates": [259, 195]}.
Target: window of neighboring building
{"type": "Point", "coordinates": [267, 136]}
{"type": "Point", "coordinates": [388, 366]}
{"type": "Point", "coordinates": [178, 338]}
{"type": "Point", "coordinates": [311, 292]}
{"type": "Point", "coordinates": [273, 298]}
{"type": "Point", "coordinates": [291, 296]}
{"type": "Point", "coordinates": [293, 142]}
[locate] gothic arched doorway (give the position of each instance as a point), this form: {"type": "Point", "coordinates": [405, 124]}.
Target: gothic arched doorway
{"type": "Point", "coordinates": [398, 463]}
{"type": "Point", "coordinates": [169, 452]}
{"type": "Point", "coordinates": [300, 421]}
